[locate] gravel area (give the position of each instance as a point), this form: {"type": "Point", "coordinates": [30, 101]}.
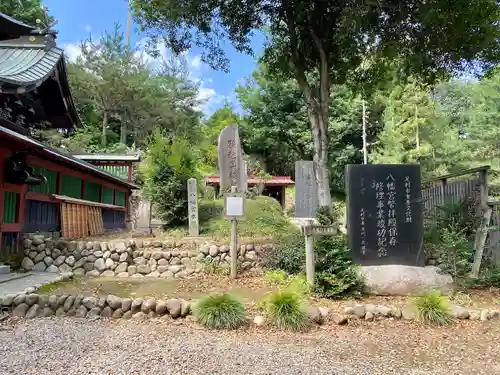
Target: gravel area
{"type": "Point", "coordinates": [71, 346]}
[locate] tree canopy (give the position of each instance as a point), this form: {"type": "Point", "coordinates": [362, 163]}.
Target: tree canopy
{"type": "Point", "coordinates": [31, 12]}
{"type": "Point", "coordinates": [322, 43]}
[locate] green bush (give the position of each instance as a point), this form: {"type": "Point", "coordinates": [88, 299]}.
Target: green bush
{"type": "Point", "coordinates": [336, 277]}
{"type": "Point", "coordinates": [263, 217]}
{"type": "Point", "coordinates": [295, 283]}
{"type": "Point", "coordinates": [432, 308]}
{"type": "Point", "coordinates": [286, 310]}
{"type": "Point", "coordinates": [221, 311]}
{"type": "Point", "coordinates": [166, 168]}
{"type": "Point", "coordinates": [288, 255]}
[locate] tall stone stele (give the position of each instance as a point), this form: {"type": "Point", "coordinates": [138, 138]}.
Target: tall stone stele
{"type": "Point", "coordinates": [194, 227]}
{"type": "Point", "coordinates": [306, 190]}
{"type": "Point", "coordinates": [231, 163]}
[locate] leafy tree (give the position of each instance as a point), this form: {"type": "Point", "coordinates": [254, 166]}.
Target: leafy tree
{"type": "Point", "coordinates": [331, 39]}
{"type": "Point", "coordinates": [31, 12]}
{"type": "Point", "coordinates": [167, 166]}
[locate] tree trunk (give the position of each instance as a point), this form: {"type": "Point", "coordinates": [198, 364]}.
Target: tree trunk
{"type": "Point", "coordinates": [104, 140]}
{"type": "Point", "coordinates": [319, 124]}
{"type": "Point", "coordinates": [123, 129]}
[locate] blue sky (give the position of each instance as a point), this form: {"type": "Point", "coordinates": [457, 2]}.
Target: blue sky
{"type": "Point", "coordinates": [78, 20]}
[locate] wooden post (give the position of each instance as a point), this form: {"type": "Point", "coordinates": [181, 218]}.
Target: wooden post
{"type": "Point", "coordinates": [309, 241]}
{"type": "Point", "coordinates": [234, 244]}
{"type": "Point", "coordinates": [481, 234]}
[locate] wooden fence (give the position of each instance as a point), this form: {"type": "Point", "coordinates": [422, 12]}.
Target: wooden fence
{"type": "Point", "coordinates": [470, 186]}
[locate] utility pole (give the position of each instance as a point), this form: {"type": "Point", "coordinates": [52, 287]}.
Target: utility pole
{"type": "Point", "coordinates": [129, 24]}
{"type": "Point", "coordinates": [365, 153]}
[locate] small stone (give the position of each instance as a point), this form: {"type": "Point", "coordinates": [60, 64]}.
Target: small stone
{"type": "Point", "coordinates": [185, 308]}
{"type": "Point", "coordinates": [359, 311]}
{"type": "Point", "coordinates": [79, 272]}
{"type": "Point", "coordinates": [315, 315]}
{"type": "Point", "coordinates": [59, 260]}
{"type": "Point", "coordinates": [106, 254]}
{"type": "Point", "coordinates": [94, 312]}
{"type": "Point", "coordinates": [20, 311]}
{"type": "Point", "coordinates": [382, 310]}
{"type": "Point", "coordinates": [107, 312]}
{"type": "Point", "coordinates": [143, 269]}
{"type": "Point", "coordinates": [395, 312]}
{"type": "Point", "coordinates": [474, 315]}
{"type": "Point", "coordinates": [39, 257]}
{"type": "Point", "coordinates": [136, 305]}
{"type": "Point", "coordinates": [224, 249]}
{"type": "Point", "coordinates": [339, 319]}
{"type": "Point", "coordinates": [98, 254]}
{"type": "Point", "coordinates": [27, 264]}
{"type": "Point", "coordinates": [213, 251]}
{"type": "Point", "coordinates": [494, 314]}
{"type": "Point", "coordinates": [123, 257]}
{"type": "Point", "coordinates": [126, 304]}
{"type": "Point", "coordinates": [117, 314]}
{"type": "Point", "coordinates": [60, 311]}
{"type": "Point", "coordinates": [259, 321]}
{"type": "Point", "coordinates": [148, 305]}
{"type": "Point", "coordinates": [69, 303]}
{"type": "Point", "coordinates": [132, 270]}
{"type": "Point", "coordinates": [48, 261]}
{"type": "Point", "coordinates": [459, 312]}
{"type": "Point", "coordinates": [31, 299]}
{"type": "Point", "coordinates": [52, 302]}
{"type": "Point", "coordinates": [100, 265]}
{"type": "Point", "coordinates": [21, 298]}
{"type": "Point", "coordinates": [484, 315]}
{"type": "Point", "coordinates": [162, 262]}
{"type": "Point", "coordinates": [52, 269]}
{"type": "Point", "coordinates": [137, 276]}
{"type": "Point", "coordinates": [90, 302]}
{"type": "Point", "coordinates": [70, 261]}
{"type": "Point", "coordinates": [109, 263]}
{"type": "Point", "coordinates": [175, 269]}
{"type": "Point", "coordinates": [153, 274]}
{"type": "Point", "coordinates": [174, 308]}
{"type": "Point", "coordinates": [108, 273]}
{"type": "Point", "coordinates": [161, 307]}
{"type": "Point", "coordinates": [324, 311]}
{"type": "Point", "coordinates": [47, 312]}
{"type": "Point", "coordinates": [123, 274]}
{"type": "Point", "coordinates": [61, 299]}
{"type": "Point", "coordinates": [167, 275]}
{"type": "Point", "coordinates": [114, 302]}
{"type": "Point", "coordinates": [64, 268]}
{"type": "Point", "coordinates": [139, 316]}
{"type": "Point", "coordinates": [349, 310]}
{"type": "Point", "coordinates": [408, 313]}
{"type": "Point", "coordinates": [127, 315]}
{"type": "Point", "coordinates": [252, 255]}
{"type": "Point", "coordinates": [33, 312]}
{"type": "Point", "coordinates": [157, 255]}
{"type": "Point", "coordinates": [369, 316]}
{"type": "Point", "coordinates": [39, 267]}
{"type": "Point", "coordinates": [93, 273]}
{"type": "Point", "coordinates": [81, 312]}
{"type": "Point", "coordinates": [167, 255]}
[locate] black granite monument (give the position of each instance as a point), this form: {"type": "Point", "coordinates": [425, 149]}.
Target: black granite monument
{"type": "Point", "coordinates": [384, 214]}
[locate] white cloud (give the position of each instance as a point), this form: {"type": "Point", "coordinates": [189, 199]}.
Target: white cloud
{"type": "Point", "coordinates": [72, 51]}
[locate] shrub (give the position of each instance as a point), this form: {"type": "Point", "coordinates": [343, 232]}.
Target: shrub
{"type": "Point", "coordinates": [263, 217]}
{"type": "Point", "coordinates": [432, 308]}
{"type": "Point", "coordinates": [295, 283]}
{"type": "Point", "coordinates": [276, 277]}
{"type": "Point", "coordinates": [166, 168]}
{"type": "Point", "coordinates": [286, 310]}
{"type": "Point", "coordinates": [221, 311]}
{"type": "Point", "coordinates": [288, 255]}
{"type": "Point", "coordinates": [336, 277]}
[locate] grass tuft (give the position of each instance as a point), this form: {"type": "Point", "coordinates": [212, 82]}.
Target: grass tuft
{"type": "Point", "coordinates": [432, 308]}
{"type": "Point", "coordinates": [220, 311]}
{"type": "Point", "coordinates": [286, 310]}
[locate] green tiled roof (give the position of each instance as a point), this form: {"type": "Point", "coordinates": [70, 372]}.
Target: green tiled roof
{"type": "Point", "coordinates": [26, 62]}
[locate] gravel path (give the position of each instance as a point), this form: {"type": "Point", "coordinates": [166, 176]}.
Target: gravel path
{"type": "Point", "coordinates": [72, 346]}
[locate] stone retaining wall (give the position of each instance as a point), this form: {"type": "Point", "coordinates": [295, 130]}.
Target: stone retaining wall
{"type": "Point", "coordinates": [35, 305]}
{"type": "Point", "coordinates": [132, 258]}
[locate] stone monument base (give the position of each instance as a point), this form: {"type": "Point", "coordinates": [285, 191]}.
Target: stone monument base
{"type": "Point", "coordinates": [397, 280]}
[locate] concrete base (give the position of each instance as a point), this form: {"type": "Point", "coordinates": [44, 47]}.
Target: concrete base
{"type": "Point", "coordinates": [4, 269]}
{"type": "Point", "coordinates": [396, 280]}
